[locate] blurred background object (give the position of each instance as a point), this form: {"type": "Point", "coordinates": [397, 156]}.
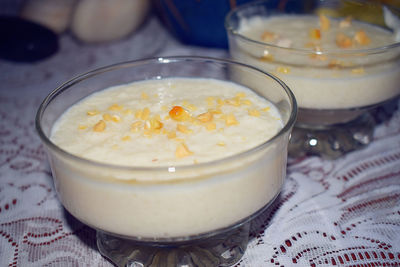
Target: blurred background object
{"type": "Point", "coordinates": [25, 41]}
{"type": "Point", "coordinates": [54, 14]}
{"type": "Point", "coordinates": [105, 20]}
{"type": "Point", "coordinates": [201, 22]}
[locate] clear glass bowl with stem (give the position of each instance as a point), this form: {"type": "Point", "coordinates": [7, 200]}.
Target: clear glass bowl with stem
{"type": "Point", "coordinates": [335, 88]}
{"type": "Point", "coordinates": [190, 215]}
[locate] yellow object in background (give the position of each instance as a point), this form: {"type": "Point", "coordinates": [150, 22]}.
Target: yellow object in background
{"type": "Point", "coordinates": [368, 11]}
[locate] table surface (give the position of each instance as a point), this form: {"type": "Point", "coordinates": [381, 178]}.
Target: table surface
{"type": "Point", "coordinates": [330, 212]}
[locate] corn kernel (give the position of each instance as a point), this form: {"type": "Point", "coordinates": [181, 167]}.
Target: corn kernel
{"type": "Point", "coordinates": [230, 120]}
{"type": "Point", "coordinates": [115, 107]}
{"type": "Point", "coordinates": [241, 95]}
{"type": "Point", "coordinates": [267, 56]}
{"type": "Point", "coordinates": [82, 127]}
{"type": "Point", "coordinates": [107, 117]}
{"type": "Point", "coordinates": [116, 118]}
{"type": "Point", "coordinates": [100, 126]}
{"type": "Point", "coordinates": [210, 101]}
{"type": "Point", "coordinates": [136, 126]}
{"type": "Point", "coordinates": [126, 138]}
{"type": "Point", "coordinates": [284, 70]}
{"type": "Point", "coordinates": [358, 71]}
{"type": "Point", "coordinates": [178, 113]}
{"type": "Point", "coordinates": [247, 102]}
{"type": "Point", "coordinates": [145, 114]}
{"type": "Point", "coordinates": [183, 129]}
{"type": "Point", "coordinates": [205, 117]}
{"type": "Point", "coordinates": [324, 22]}
{"type": "Point", "coordinates": [171, 135]}
{"type": "Point", "coordinates": [269, 36]}
{"type": "Point", "coordinates": [233, 101]}
{"type": "Point", "coordinates": [345, 23]}
{"type": "Point", "coordinates": [221, 144]}
{"type": "Point", "coordinates": [315, 34]}
{"type": "Point", "coordinates": [211, 126]}
{"type": "Point", "coordinates": [144, 96]}
{"type": "Point", "coordinates": [343, 41]}
{"type": "Point", "coordinates": [92, 112]}
{"type": "Point", "coordinates": [215, 111]}
{"type": "Point", "coordinates": [266, 109]}
{"type": "Point", "coordinates": [182, 151]}
{"type": "Point", "coordinates": [128, 112]}
{"type": "Point", "coordinates": [254, 112]}
{"type": "Point", "coordinates": [361, 38]}
{"type": "Point", "coordinates": [220, 102]}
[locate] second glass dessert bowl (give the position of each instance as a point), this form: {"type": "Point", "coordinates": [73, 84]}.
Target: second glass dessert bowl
{"type": "Point", "coordinates": [174, 215]}
{"type": "Point", "coordinates": [337, 80]}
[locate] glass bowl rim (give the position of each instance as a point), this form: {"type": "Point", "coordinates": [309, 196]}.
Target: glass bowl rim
{"type": "Point", "coordinates": [160, 60]}
{"type": "Point", "coordinates": [363, 52]}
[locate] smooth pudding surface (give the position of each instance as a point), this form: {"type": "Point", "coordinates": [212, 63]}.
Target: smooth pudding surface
{"type": "Point", "coordinates": [166, 122]}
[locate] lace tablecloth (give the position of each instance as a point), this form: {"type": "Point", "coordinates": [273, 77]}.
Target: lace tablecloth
{"type": "Point", "coordinates": [341, 212]}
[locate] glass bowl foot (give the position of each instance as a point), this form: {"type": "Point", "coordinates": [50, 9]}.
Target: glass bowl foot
{"type": "Point", "coordinates": [332, 141]}
{"type": "Point", "coordinates": [224, 249]}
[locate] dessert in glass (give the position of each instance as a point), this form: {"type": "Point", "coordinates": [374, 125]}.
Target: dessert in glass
{"type": "Point", "coordinates": [338, 66]}
{"type": "Point", "coordinates": [169, 159]}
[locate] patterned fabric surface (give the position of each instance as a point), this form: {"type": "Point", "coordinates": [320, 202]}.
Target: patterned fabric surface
{"type": "Point", "coordinates": [341, 212]}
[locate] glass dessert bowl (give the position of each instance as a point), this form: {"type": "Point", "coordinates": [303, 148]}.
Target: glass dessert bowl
{"type": "Point", "coordinates": [182, 211]}
{"type": "Point", "coordinates": [340, 58]}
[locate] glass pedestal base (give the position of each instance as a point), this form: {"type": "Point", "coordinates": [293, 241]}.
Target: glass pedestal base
{"type": "Point", "coordinates": [331, 141]}
{"type": "Point", "coordinates": [223, 249]}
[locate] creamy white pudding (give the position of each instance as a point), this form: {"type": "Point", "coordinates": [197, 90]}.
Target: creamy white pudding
{"type": "Point", "coordinates": [328, 63]}
{"type": "Point", "coordinates": [169, 158]}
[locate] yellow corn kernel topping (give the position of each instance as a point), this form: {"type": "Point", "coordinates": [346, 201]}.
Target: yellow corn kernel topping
{"type": "Point", "coordinates": [231, 120]}
{"type": "Point", "coordinates": [154, 124]}
{"type": "Point", "coordinates": [215, 111]}
{"type": "Point", "coordinates": [345, 23]}
{"type": "Point", "coordinates": [115, 107]}
{"type": "Point", "coordinates": [221, 144]}
{"type": "Point", "coordinates": [128, 111]}
{"type": "Point", "coordinates": [126, 138]}
{"type": "Point", "coordinates": [178, 113]}
{"type": "Point", "coordinates": [269, 36]}
{"type": "Point", "coordinates": [82, 127]}
{"type": "Point", "coordinates": [361, 38]}
{"type": "Point", "coordinates": [254, 112]}
{"type": "Point", "coordinates": [247, 102]}
{"type": "Point", "coordinates": [182, 151]}
{"type": "Point", "coordinates": [145, 114]}
{"type": "Point", "coordinates": [241, 95]}
{"type": "Point", "coordinates": [267, 56]}
{"type": "Point", "coordinates": [107, 117]}
{"type": "Point", "coordinates": [183, 129]}
{"type": "Point", "coordinates": [116, 118]}
{"type": "Point", "coordinates": [324, 22]}
{"type": "Point", "coordinates": [136, 126]}
{"type": "Point", "coordinates": [266, 109]}
{"type": "Point", "coordinates": [92, 112]}
{"type": "Point", "coordinates": [100, 126]}
{"type": "Point", "coordinates": [284, 70]}
{"type": "Point", "coordinates": [205, 117]}
{"type": "Point", "coordinates": [358, 71]}
{"type": "Point", "coordinates": [211, 126]}
{"type": "Point", "coordinates": [171, 135]}
{"type": "Point", "coordinates": [343, 41]}
{"type": "Point", "coordinates": [315, 34]}
{"type": "Point", "coordinates": [210, 101]}
{"type": "Point", "coordinates": [144, 96]}
{"type": "Point", "coordinates": [233, 101]}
